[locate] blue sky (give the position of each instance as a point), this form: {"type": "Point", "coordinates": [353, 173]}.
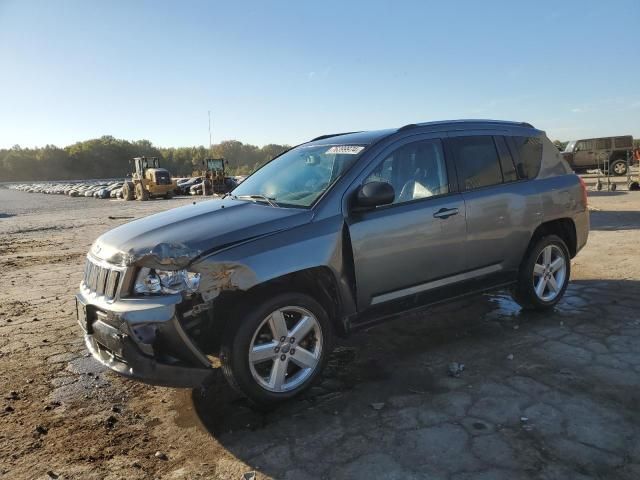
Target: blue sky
{"type": "Point", "coordinates": [285, 71]}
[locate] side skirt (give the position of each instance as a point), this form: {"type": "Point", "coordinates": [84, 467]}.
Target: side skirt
{"type": "Point", "coordinates": [415, 303]}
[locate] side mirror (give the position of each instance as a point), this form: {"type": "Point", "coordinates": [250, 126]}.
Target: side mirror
{"type": "Point", "coordinates": [374, 194]}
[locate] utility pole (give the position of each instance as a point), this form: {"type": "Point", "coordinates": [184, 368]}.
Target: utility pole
{"type": "Point", "coordinates": [210, 140]}
{"type": "Point", "coordinates": [206, 171]}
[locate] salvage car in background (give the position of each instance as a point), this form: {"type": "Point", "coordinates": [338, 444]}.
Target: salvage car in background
{"type": "Point", "coordinates": [606, 152]}
{"type": "Point", "coordinates": [330, 236]}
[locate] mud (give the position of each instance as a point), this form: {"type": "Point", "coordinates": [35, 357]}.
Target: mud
{"type": "Point", "coordinates": [542, 396]}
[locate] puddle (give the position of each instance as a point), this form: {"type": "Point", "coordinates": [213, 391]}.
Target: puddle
{"type": "Point", "coordinates": [505, 308]}
{"type": "Point", "coordinates": [81, 377]}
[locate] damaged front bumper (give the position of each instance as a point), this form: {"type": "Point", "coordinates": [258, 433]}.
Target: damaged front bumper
{"type": "Point", "coordinates": [142, 338]}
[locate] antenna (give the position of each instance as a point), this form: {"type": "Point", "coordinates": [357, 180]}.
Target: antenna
{"type": "Point", "coordinates": [210, 141]}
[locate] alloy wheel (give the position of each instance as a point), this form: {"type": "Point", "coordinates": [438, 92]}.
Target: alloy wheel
{"type": "Point", "coordinates": [285, 349]}
{"type": "Point", "coordinates": [620, 168]}
{"type": "Point", "coordinates": [549, 273]}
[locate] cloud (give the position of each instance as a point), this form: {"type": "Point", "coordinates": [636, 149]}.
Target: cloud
{"type": "Point", "coordinates": [310, 75]}
{"type": "Point", "coordinates": [578, 110]}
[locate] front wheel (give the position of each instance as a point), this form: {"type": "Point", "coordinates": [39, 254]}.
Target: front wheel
{"type": "Point", "coordinates": [128, 191]}
{"type": "Point", "coordinates": [277, 348]}
{"type": "Point", "coordinates": [544, 274]}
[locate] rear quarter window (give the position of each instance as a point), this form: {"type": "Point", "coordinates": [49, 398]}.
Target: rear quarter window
{"type": "Point", "coordinates": [623, 142]}
{"type": "Point", "coordinates": [528, 156]}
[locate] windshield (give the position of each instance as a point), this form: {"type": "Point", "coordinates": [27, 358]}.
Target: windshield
{"type": "Point", "coordinates": [570, 146]}
{"type": "Point", "coordinates": [300, 176]}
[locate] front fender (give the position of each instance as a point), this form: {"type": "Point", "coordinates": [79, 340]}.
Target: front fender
{"type": "Point", "coordinates": [312, 245]}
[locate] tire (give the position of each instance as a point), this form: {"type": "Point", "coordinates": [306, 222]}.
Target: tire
{"type": "Point", "coordinates": [141, 194]}
{"type": "Point", "coordinates": [128, 191]}
{"type": "Point", "coordinates": [525, 291]}
{"type": "Point", "coordinates": [169, 195]}
{"type": "Point", "coordinates": [618, 167]}
{"type": "Point", "coordinates": [229, 184]}
{"type": "Point", "coordinates": [280, 375]}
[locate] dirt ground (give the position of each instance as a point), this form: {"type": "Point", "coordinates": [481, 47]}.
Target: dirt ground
{"type": "Point", "coordinates": [542, 396]}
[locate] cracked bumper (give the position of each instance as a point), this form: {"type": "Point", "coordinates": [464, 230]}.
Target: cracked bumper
{"type": "Point", "coordinates": [133, 364]}
{"type": "Point", "coordinates": [141, 338]}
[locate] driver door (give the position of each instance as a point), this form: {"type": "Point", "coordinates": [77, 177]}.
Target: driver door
{"type": "Point", "coordinates": [584, 155]}
{"type": "Point", "coordinates": [416, 243]}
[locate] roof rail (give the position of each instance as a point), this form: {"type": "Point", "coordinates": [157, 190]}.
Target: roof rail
{"type": "Point", "coordinates": [322, 137]}
{"type": "Point", "coordinates": [444, 122]}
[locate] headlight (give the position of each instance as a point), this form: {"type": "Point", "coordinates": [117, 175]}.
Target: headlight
{"type": "Point", "coordinates": [150, 281]}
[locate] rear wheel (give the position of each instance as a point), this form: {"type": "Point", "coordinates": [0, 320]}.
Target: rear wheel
{"type": "Point", "coordinates": [169, 195]}
{"type": "Point", "coordinates": [618, 167]}
{"type": "Point", "coordinates": [277, 348]}
{"type": "Point", "coordinates": [544, 274]}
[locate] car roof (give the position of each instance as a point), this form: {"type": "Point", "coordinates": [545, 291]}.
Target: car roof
{"type": "Point", "coordinates": [372, 136]}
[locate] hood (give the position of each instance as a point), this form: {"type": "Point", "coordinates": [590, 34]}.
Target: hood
{"type": "Point", "coordinates": [174, 238]}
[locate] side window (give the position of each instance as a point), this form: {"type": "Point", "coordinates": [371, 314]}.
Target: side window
{"type": "Point", "coordinates": [603, 144]}
{"type": "Point", "coordinates": [528, 154]}
{"type": "Point", "coordinates": [477, 161]}
{"type": "Point", "coordinates": [584, 145]}
{"type": "Point", "coordinates": [506, 161]}
{"type": "Point", "coordinates": [623, 142]}
{"type": "Point", "coordinates": [415, 171]}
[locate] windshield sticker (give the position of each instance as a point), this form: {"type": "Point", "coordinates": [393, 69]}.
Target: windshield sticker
{"type": "Point", "coordinates": [345, 149]}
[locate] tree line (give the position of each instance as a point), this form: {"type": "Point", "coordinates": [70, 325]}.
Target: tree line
{"type": "Point", "coordinates": [108, 157]}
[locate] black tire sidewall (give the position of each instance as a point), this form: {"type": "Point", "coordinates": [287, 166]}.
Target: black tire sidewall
{"type": "Point", "coordinates": [613, 170]}
{"type": "Point", "coordinates": [237, 338]}
{"type": "Point", "coordinates": [525, 288]}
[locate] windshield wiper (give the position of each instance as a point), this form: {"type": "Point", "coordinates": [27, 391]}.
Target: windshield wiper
{"type": "Point", "coordinates": [270, 201]}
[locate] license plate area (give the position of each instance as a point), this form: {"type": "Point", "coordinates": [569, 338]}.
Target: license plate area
{"type": "Point", "coordinates": [82, 316]}
{"type": "Point", "coordinates": [108, 336]}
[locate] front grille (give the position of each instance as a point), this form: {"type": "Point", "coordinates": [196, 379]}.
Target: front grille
{"type": "Point", "coordinates": [101, 280]}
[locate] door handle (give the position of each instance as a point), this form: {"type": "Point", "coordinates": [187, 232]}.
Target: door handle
{"type": "Point", "coordinates": [445, 213]}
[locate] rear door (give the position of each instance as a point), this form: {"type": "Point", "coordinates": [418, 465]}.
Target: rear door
{"type": "Point", "coordinates": [499, 203]}
{"type": "Point", "coordinates": [416, 243]}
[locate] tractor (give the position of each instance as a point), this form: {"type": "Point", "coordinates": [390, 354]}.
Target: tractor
{"type": "Point", "coordinates": [148, 180]}
{"type": "Point", "coordinates": [215, 180]}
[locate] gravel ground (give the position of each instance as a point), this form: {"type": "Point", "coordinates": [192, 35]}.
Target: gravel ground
{"type": "Point", "coordinates": [542, 396]}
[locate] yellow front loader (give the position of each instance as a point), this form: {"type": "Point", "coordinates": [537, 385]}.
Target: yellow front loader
{"type": "Point", "coordinates": [148, 181]}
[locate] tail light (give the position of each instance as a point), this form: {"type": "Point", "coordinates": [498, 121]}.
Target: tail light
{"type": "Point", "coordinates": [584, 191]}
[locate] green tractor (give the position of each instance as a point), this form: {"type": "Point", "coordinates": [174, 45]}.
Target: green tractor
{"type": "Point", "coordinates": [148, 180]}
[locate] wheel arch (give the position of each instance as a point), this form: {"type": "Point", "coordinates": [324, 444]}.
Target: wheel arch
{"type": "Point", "coordinates": [565, 228]}
{"type": "Point", "coordinates": [317, 282]}
{"type": "Point", "coordinates": [618, 155]}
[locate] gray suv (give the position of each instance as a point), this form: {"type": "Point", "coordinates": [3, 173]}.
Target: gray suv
{"type": "Point", "coordinates": [329, 237]}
